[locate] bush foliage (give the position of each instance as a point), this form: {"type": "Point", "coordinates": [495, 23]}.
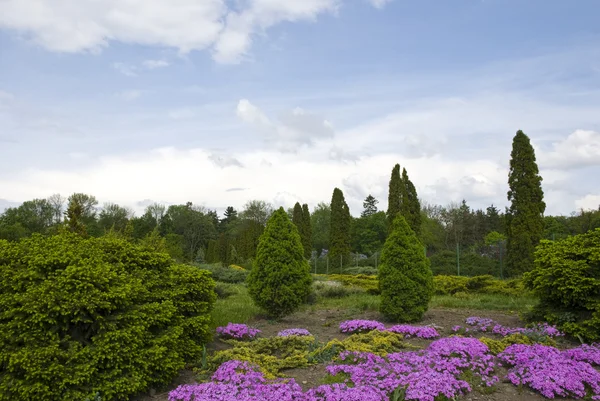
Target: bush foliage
{"type": "Point", "coordinates": [405, 279]}
{"type": "Point", "coordinates": [280, 280]}
{"type": "Point", "coordinates": [80, 316]}
{"type": "Point", "coordinates": [566, 278]}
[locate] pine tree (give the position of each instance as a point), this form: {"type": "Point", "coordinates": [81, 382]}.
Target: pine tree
{"type": "Point", "coordinates": [307, 236]}
{"type": "Point", "coordinates": [370, 206]}
{"type": "Point", "coordinates": [339, 240]}
{"type": "Point", "coordinates": [410, 207]}
{"type": "Point", "coordinates": [280, 280]}
{"type": "Point", "coordinates": [525, 216]}
{"type": "Point", "coordinates": [394, 195]}
{"type": "Point", "coordinates": [405, 278]}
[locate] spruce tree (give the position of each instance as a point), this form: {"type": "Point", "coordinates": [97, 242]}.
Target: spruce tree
{"type": "Point", "coordinates": [394, 195]}
{"type": "Point", "coordinates": [525, 216]}
{"type": "Point", "coordinates": [339, 233]}
{"type": "Point", "coordinates": [410, 206]}
{"type": "Point", "coordinates": [307, 236]}
{"type": "Point", "coordinates": [369, 206]}
{"type": "Point", "coordinates": [280, 280]}
{"type": "Point", "coordinates": [405, 278]}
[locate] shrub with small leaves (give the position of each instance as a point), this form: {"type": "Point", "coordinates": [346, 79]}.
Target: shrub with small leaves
{"type": "Point", "coordinates": [99, 315]}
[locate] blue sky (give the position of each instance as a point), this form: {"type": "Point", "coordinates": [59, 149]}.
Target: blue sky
{"type": "Point", "coordinates": [283, 100]}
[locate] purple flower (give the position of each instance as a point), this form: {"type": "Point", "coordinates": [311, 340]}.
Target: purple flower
{"type": "Point", "coordinates": [293, 332]}
{"type": "Point", "coordinates": [237, 331]}
{"type": "Point", "coordinates": [360, 326]}
{"type": "Point", "coordinates": [415, 331]}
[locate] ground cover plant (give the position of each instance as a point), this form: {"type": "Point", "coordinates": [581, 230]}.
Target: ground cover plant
{"type": "Point", "coordinates": [445, 369]}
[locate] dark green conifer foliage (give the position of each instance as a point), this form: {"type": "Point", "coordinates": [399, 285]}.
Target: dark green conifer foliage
{"type": "Point", "coordinates": [525, 216]}
{"type": "Point", "coordinates": [307, 235]}
{"type": "Point", "coordinates": [280, 280]}
{"type": "Point", "coordinates": [394, 195]}
{"type": "Point", "coordinates": [297, 218]}
{"type": "Point", "coordinates": [369, 206]}
{"type": "Point", "coordinates": [405, 278]}
{"type": "Point", "coordinates": [339, 240]}
{"type": "Point", "coordinates": [410, 205]}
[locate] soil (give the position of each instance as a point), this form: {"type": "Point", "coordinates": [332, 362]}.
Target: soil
{"type": "Point", "coordinates": [323, 324]}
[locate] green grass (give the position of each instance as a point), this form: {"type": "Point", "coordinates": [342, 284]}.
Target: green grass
{"type": "Point", "coordinates": [238, 308]}
{"type": "Point", "coordinates": [484, 302]}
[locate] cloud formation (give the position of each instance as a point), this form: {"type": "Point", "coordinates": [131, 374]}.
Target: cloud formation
{"type": "Point", "coordinates": [579, 149]}
{"type": "Point", "coordinates": [186, 25]}
{"type": "Point", "coordinates": [294, 129]}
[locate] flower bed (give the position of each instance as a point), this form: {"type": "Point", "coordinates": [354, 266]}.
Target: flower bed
{"type": "Point", "coordinates": [237, 331]}
{"type": "Point", "coordinates": [360, 326]}
{"type": "Point", "coordinates": [415, 331]}
{"type": "Point", "coordinates": [484, 325]}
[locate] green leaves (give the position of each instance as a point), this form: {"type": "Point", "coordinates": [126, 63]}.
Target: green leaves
{"type": "Point", "coordinates": [79, 316]}
{"type": "Point", "coordinates": [405, 278]}
{"type": "Point", "coordinates": [566, 278]}
{"type": "Point", "coordinates": [280, 280]}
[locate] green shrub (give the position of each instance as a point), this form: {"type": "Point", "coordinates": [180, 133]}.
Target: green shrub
{"type": "Point", "coordinates": [225, 290]}
{"type": "Point", "coordinates": [334, 290]}
{"type": "Point", "coordinates": [498, 346]}
{"type": "Point", "coordinates": [81, 316]}
{"type": "Point", "coordinates": [226, 274]}
{"type": "Point", "coordinates": [365, 270]}
{"type": "Point", "coordinates": [370, 284]}
{"type": "Point", "coordinates": [280, 280]}
{"type": "Point", "coordinates": [405, 279]}
{"type": "Point", "coordinates": [449, 285]}
{"type": "Point", "coordinates": [566, 278]}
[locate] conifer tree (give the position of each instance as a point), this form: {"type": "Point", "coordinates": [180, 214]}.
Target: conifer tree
{"type": "Point", "coordinates": [369, 206]}
{"type": "Point", "coordinates": [211, 251]}
{"type": "Point", "coordinates": [525, 216]}
{"type": "Point", "coordinates": [339, 240]}
{"type": "Point", "coordinates": [297, 217]}
{"type": "Point", "coordinates": [405, 277]}
{"type": "Point", "coordinates": [307, 236]}
{"type": "Point", "coordinates": [280, 280]}
{"type": "Point", "coordinates": [394, 195]}
{"type": "Point", "coordinates": [410, 206]}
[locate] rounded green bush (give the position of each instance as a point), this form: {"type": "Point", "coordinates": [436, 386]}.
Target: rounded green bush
{"type": "Point", "coordinates": [280, 280]}
{"type": "Point", "coordinates": [566, 278]}
{"type": "Point", "coordinates": [80, 316]}
{"type": "Point", "coordinates": [405, 278]}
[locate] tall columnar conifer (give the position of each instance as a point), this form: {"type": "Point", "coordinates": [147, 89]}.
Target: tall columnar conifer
{"type": "Point", "coordinates": [339, 240]}
{"type": "Point", "coordinates": [525, 216]}
{"type": "Point", "coordinates": [405, 278]}
{"type": "Point", "coordinates": [307, 234]}
{"type": "Point", "coordinates": [394, 195]}
{"type": "Point", "coordinates": [410, 205]}
{"type": "Point", "coordinates": [280, 280]}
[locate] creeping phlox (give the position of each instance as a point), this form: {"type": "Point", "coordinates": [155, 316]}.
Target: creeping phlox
{"type": "Point", "coordinates": [448, 367]}
{"type": "Point", "coordinates": [237, 331]}
{"type": "Point", "coordinates": [490, 326]}
{"type": "Point", "coordinates": [293, 332]}
{"type": "Point", "coordinates": [552, 372]}
{"type": "Point", "coordinates": [361, 326]}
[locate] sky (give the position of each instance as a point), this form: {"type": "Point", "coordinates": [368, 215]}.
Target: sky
{"type": "Point", "coordinates": [219, 102]}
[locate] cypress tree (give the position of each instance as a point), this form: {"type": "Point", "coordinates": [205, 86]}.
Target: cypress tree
{"type": "Point", "coordinates": [280, 280]}
{"type": "Point", "coordinates": [297, 218]}
{"type": "Point", "coordinates": [405, 278]}
{"type": "Point", "coordinates": [410, 206]}
{"type": "Point", "coordinates": [211, 251]}
{"type": "Point", "coordinates": [339, 233]}
{"type": "Point", "coordinates": [307, 237]}
{"type": "Point", "coordinates": [223, 249]}
{"type": "Point", "coordinates": [394, 195]}
{"type": "Point", "coordinates": [525, 216]}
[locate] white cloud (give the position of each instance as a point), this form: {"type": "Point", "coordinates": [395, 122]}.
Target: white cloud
{"type": "Point", "coordinates": [588, 202]}
{"type": "Point", "coordinates": [154, 64]}
{"type": "Point", "coordinates": [125, 69]}
{"type": "Point", "coordinates": [296, 128]}
{"type": "Point", "coordinates": [579, 149]}
{"type": "Point", "coordinates": [90, 25]}
{"type": "Point", "coordinates": [379, 3]}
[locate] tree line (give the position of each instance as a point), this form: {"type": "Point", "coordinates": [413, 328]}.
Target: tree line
{"type": "Point", "coordinates": [456, 237]}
